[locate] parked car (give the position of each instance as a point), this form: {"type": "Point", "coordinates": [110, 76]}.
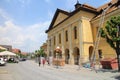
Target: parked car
{"type": "Point", "coordinates": [2, 62]}
{"type": "Point", "coordinates": [22, 59]}
{"type": "Point", "coordinates": [13, 60]}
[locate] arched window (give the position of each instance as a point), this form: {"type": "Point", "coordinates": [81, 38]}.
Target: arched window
{"type": "Point", "coordinates": [75, 32]}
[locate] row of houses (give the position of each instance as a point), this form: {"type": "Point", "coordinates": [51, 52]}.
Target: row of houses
{"type": "Point", "coordinates": [14, 50]}
{"type": "Point", "coordinates": [75, 32]}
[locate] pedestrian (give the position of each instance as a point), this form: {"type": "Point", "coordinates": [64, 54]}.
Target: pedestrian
{"type": "Point", "coordinates": [43, 61]}
{"type": "Point", "coordinates": [39, 62]}
{"type": "Point", "coordinates": [48, 61]}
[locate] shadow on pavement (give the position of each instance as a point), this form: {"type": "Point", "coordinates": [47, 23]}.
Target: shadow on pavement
{"type": "Point", "coordinates": [117, 77]}
{"type": "Point", "coordinates": [108, 70]}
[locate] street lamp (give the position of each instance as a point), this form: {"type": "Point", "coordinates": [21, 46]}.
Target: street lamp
{"type": "Point", "coordinates": [58, 51]}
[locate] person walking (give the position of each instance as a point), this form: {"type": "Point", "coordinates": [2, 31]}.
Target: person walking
{"type": "Point", "coordinates": [43, 61]}
{"type": "Point", "coordinates": [48, 61]}
{"type": "Point", "coordinates": [39, 62]}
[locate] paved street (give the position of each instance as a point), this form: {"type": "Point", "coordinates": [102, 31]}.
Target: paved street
{"type": "Point", "coordinates": [29, 70]}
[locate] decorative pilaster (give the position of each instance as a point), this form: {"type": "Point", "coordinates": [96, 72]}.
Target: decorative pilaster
{"type": "Point", "coordinates": [70, 45]}
{"type": "Point", "coordinates": [62, 42]}
{"type": "Point", "coordinates": [80, 40]}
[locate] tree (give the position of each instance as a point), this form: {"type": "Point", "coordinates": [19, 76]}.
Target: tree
{"type": "Point", "coordinates": [1, 50]}
{"type": "Point", "coordinates": [40, 52]}
{"type": "Point", "coordinates": [112, 34]}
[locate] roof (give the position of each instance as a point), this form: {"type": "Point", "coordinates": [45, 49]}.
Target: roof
{"type": "Point", "coordinates": [2, 48]}
{"type": "Point", "coordinates": [55, 16]}
{"type": "Point", "coordinates": [16, 50]}
{"type": "Point", "coordinates": [84, 7]}
{"type": "Point", "coordinates": [7, 53]}
{"type": "Point", "coordinates": [106, 5]}
{"type": "Point", "coordinates": [114, 6]}
{"type": "Point", "coordinates": [87, 8]}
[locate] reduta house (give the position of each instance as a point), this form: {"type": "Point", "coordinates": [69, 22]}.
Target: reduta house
{"type": "Point", "coordinates": [75, 32]}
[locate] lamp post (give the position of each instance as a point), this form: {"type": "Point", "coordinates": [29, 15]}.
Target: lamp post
{"type": "Point", "coordinates": [58, 50]}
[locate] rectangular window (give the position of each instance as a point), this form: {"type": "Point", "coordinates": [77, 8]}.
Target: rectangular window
{"type": "Point", "coordinates": [66, 33]}
{"type": "Point", "coordinates": [60, 38]}
{"type": "Point", "coordinates": [75, 32]}
{"type": "Point", "coordinates": [50, 42]}
{"type": "Point", "coordinates": [54, 40]}
{"type": "Point", "coordinates": [97, 29]}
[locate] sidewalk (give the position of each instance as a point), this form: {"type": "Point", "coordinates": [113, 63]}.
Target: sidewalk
{"type": "Point", "coordinates": [73, 70]}
{"type": "Point", "coordinates": [101, 74]}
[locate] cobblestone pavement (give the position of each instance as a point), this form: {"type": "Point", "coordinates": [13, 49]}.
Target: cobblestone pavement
{"type": "Point", "coordinates": [30, 70]}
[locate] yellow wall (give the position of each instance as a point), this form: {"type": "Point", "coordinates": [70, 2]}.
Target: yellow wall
{"type": "Point", "coordinates": [86, 27]}
{"type": "Point", "coordinates": [79, 19]}
{"type": "Point", "coordinates": [106, 49]}
{"type": "Point", "coordinates": [60, 17]}
{"type": "Point", "coordinates": [87, 38]}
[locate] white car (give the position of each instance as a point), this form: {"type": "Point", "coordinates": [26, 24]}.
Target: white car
{"type": "Point", "coordinates": [2, 62]}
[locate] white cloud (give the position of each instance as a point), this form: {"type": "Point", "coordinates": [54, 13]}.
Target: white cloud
{"type": "Point", "coordinates": [29, 38]}
{"type": "Point", "coordinates": [4, 15]}
{"type": "Point", "coordinates": [26, 38]}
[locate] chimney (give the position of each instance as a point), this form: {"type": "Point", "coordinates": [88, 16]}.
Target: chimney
{"type": "Point", "coordinates": [77, 5]}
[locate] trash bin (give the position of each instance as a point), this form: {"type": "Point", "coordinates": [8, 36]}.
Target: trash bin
{"type": "Point", "coordinates": [109, 63]}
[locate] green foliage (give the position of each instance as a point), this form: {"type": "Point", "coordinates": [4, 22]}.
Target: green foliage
{"type": "Point", "coordinates": [103, 34]}
{"type": "Point", "coordinates": [1, 50]}
{"type": "Point", "coordinates": [111, 31]}
{"type": "Point", "coordinates": [40, 52]}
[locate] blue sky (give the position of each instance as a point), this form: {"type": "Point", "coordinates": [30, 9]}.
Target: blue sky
{"type": "Point", "coordinates": [23, 22]}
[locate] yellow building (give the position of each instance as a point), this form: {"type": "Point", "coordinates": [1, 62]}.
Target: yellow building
{"type": "Point", "coordinates": [44, 47]}
{"type": "Point", "coordinates": [75, 32]}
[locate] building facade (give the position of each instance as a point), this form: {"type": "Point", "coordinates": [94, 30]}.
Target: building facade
{"type": "Point", "coordinates": [44, 47]}
{"type": "Point", "coordinates": [8, 47]}
{"type": "Point", "coordinates": [17, 51]}
{"type": "Point", "coordinates": [75, 32]}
